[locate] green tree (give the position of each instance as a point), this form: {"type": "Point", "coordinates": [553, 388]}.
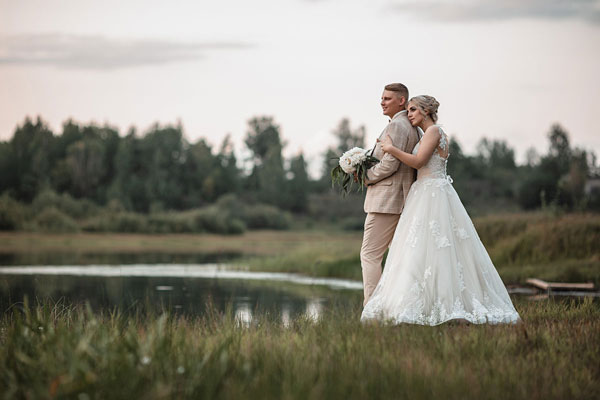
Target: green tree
{"type": "Point", "coordinates": [560, 149]}
{"type": "Point", "coordinates": [347, 138]}
{"type": "Point", "coordinates": [226, 171]}
{"type": "Point", "coordinates": [85, 163]}
{"type": "Point", "coordinates": [8, 178]}
{"type": "Point", "coordinates": [128, 187]}
{"type": "Point", "coordinates": [199, 179]}
{"type": "Point", "coordinates": [164, 156]}
{"type": "Point", "coordinates": [268, 176]}
{"type": "Point", "coordinates": [466, 177]}
{"type": "Point", "coordinates": [572, 184]}
{"type": "Point", "coordinates": [496, 154]}
{"type": "Point", "coordinates": [540, 183]}
{"type": "Point", "coordinates": [61, 172]}
{"type": "Point", "coordinates": [32, 160]}
{"type": "Point", "coordinates": [299, 185]}
{"type": "Point", "coordinates": [496, 161]}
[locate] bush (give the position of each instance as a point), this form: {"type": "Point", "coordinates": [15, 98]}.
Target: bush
{"type": "Point", "coordinates": [231, 204]}
{"type": "Point", "coordinates": [77, 209]}
{"type": "Point", "coordinates": [53, 220]}
{"type": "Point", "coordinates": [254, 216]}
{"type": "Point", "coordinates": [353, 224]}
{"type": "Point", "coordinates": [262, 216]}
{"type": "Point", "coordinates": [117, 222]}
{"type": "Point", "coordinates": [214, 220]}
{"type": "Point", "coordinates": [228, 215]}
{"type": "Point", "coordinates": [12, 214]}
{"type": "Point", "coordinates": [236, 226]}
{"type": "Point", "coordinates": [170, 223]}
{"type": "Point", "coordinates": [333, 207]}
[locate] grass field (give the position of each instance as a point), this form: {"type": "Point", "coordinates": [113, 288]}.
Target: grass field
{"type": "Point", "coordinates": [65, 352]}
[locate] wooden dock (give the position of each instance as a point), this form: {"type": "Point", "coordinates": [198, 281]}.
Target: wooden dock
{"type": "Point", "coordinates": [556, 286]}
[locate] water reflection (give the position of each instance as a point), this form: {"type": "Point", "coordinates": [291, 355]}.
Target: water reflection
{"type": "Point", "coordinates": [177, 294]}
{"type": "Point", "coordinates": [215, 271]}
{"type": "Point", "coordinates": [286, 315]}
{"type": "Point", "coordinates": [243, 314]}
{"type": "Point", "coordinates": [314, 309]}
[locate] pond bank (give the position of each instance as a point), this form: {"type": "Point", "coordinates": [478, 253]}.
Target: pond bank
{"type": "Point", "coordinates": [554, 248]}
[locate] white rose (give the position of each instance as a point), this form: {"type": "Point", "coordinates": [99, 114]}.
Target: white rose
{"type": "Point", "coordinates": [350, 159]}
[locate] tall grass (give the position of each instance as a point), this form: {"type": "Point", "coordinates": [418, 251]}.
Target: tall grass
{"type": "Point", "coordinates": [574, 236]}
{"type": "Point", "coordinates": [556, 248]}
{"type": "Point", "coordinates": [563, 248]}
{"type": "Point", "coordinates": [57, 351]}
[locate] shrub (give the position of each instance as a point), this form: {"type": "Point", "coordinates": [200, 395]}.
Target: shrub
{"type": "Point", "coordinates": [253, 216]}
{"type": "Point", "coordinates": [12, 214]}
{"type": "Point", "coordinates": [74, 208]}
{"type": "Point", "coordinates": [53, 220]}
{"type": "Point", "coordinates": [129, 222]}
{"type": "Point", "coordinates": [236, 226]}
{"type": "Point", "coordinates": [353, 224]}
{"type": "Point", "coordinates": [231, 204]}
{"type": "Point", "coordinates": [214, 220]}
{"type": "Point", "coordinates": [262, 216]}
{"type": "Point", "coordinates": [170, 223]}
{"type": "Point", "coordinates": [117, 222]}
{"type": "Point", "coordinates": [331, 206]}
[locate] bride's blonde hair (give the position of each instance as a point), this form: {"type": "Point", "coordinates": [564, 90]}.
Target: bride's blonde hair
{"type": "Point", "coordinates": [428, 105]}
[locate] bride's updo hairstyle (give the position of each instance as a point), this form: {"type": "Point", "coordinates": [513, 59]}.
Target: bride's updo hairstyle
{"type": "Point", "coordinates": [428, 106]}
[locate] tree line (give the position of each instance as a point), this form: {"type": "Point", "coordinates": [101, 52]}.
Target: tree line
{"type": "Point", "coordinates": [161, 171]}
{"type": "Point", "coordinates": [565, 178]}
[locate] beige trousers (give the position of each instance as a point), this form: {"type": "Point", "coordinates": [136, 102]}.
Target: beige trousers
{"type": "Point", "coordinates": [378, 234]}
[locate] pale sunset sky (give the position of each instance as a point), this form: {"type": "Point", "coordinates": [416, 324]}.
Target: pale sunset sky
{"type": "Point", "coordinates": [500, 69]}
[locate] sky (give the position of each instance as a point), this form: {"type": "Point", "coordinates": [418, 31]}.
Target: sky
{"type": "Point", "coordinates": [504, 70]}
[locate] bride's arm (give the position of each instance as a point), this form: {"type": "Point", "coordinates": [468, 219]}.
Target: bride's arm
{"type": "Point", "coordinates": [428, 144]}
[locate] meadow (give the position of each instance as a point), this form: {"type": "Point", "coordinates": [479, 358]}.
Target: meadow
{"type": "Point", "coordinates": [61, 351]}
{"type": "Point", "coordinates": [57, 350]}
{"type": "Point", "coordinates": [547, 246]}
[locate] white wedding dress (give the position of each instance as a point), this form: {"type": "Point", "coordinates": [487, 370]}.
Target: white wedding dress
{"type": "Point", "coordinates": [437, 268]}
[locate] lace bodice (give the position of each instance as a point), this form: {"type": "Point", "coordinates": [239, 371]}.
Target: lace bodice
{"type": "Point", "coordinates": [436, 166]}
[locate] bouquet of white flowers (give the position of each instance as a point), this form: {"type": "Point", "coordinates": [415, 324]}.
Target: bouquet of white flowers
{"type": "Point", "coordinates": [354, 161]}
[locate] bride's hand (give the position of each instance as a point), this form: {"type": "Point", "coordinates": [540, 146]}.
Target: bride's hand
{"type": "Point", "coordinates": [386, 144]}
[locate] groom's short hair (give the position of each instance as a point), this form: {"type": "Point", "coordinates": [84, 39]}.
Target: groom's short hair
{"type": "Point", "coordinates": [400, 89]}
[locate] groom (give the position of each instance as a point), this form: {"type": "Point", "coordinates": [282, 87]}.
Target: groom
{"type": "Point", "coordinates": [387, 183]}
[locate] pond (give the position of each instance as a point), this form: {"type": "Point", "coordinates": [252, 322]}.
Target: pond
{"type": "Point", "coordinates": [178, 288]}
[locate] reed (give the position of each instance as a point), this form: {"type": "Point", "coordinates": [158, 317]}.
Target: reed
{"type": "Point", "coordinates": [59, 351]}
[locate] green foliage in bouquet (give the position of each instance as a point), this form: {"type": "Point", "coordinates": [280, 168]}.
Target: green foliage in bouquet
{"type": "Point", "coordinates": [346, 181]}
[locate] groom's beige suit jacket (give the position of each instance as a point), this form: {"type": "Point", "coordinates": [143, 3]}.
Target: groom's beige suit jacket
{"type": "Point", "coordinates": [389, 181]}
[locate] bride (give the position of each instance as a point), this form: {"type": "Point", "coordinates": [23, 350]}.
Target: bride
{"type": "Point", "coordinates": [437, 269]}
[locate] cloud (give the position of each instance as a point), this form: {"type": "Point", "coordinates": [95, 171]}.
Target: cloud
{"type": "Point", "coordinates": [101, 53]}
{"type": "Point", "coordinates": [465, 10]}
